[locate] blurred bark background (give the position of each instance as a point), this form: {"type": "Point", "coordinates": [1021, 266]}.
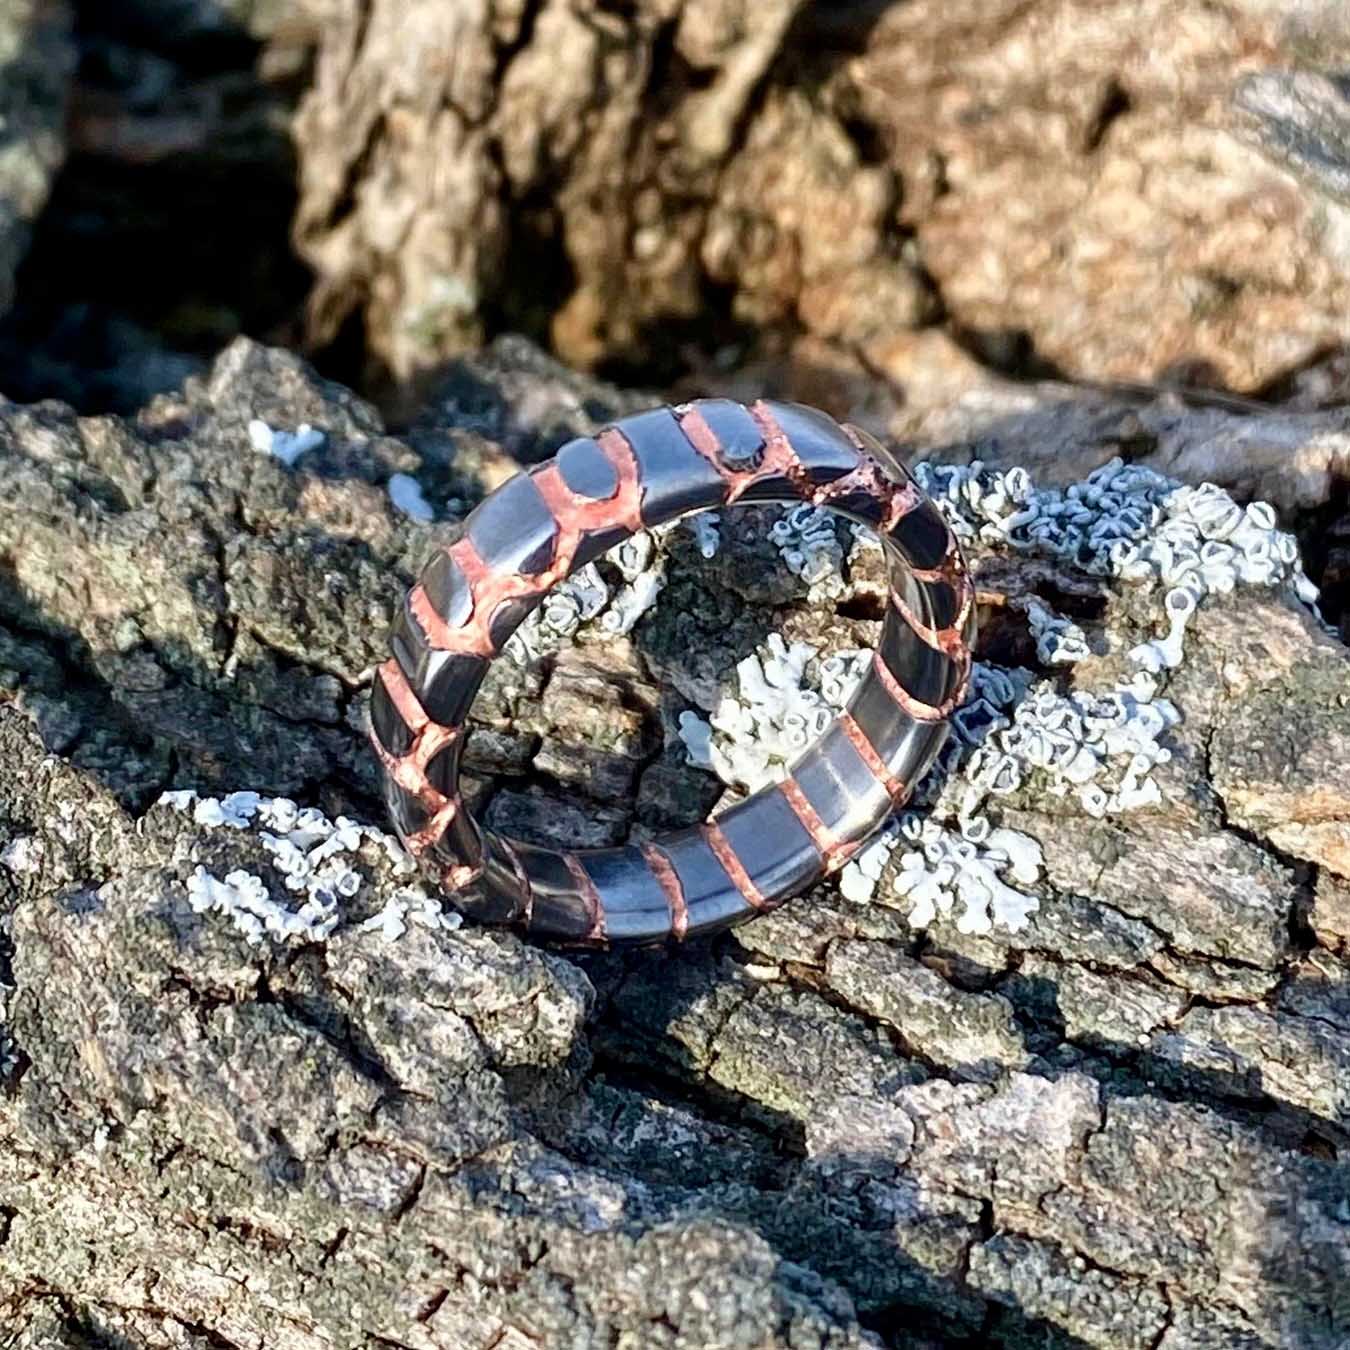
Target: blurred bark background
{"type": "Point", "coordinates": [852, 202]}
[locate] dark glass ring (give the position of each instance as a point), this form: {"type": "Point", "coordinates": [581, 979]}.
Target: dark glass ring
{"type": "Point", "coordinates": [541, 526]}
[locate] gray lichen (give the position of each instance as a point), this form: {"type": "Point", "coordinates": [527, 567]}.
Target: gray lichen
{"type": "Point", "coordinates": [1015, 731]}
{"type": "Point", "coordinates": [317, 860]}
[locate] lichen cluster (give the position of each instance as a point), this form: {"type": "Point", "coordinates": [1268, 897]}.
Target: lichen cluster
{"type": "Point", "coordinates": [1129, 523]}
{"type": "Point", "coordinates": [809, 546]}
{"type": "Point", "coordinates": [940, 868]}
{"type": "Point", "coordinates": [313, 858]}
{"type": "Point", "coordinates": [586, 599]}
{"type": "Point", "coordinates": [287, 446]}
{"type": "Point", "coordinates": [785, 699]}
{"type": "Point", "coordinates": [1096, 747]}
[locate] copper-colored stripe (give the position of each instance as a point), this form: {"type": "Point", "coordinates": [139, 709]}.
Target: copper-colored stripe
{"type": "Point", "coordinates": [409, 770]}
{"type": "Point", "coordinates": [701, 436]}
{"type": "Point", "coordinates": [821, 834]}
{"type": "Point", "coordinates": [732, 865]}
{"type": "Point", "coordinates": [409, 775]}
{"type": "Point", "coordinates": [426, 745]}
{"type": "Point", "coordinates": [573, 514]}
{"type": "Point", "coordinates": [412, 778]}
{"type": "Point", "coordinates": [439, 634]}
{"type": "Point", "coordinates": [430, 833]}
{"type": "Point", "coordinates": [586, 887]}
{"type": "Point", "coordinates": [779, 460]}
{"type": "Point", "coordinates": [576, 513]}
{"type": "Point", "coordinates": [965, 660]}
{"type": "Point", "coordinates": [672, 887]}
{"type": "Point", "coordinates": [965, 588]}
{"type": "Point", "coordinates": [617, 448]}
{"type": "Point", "coordinates": [431, 740]}
{"type": "Point", "coordinates": [949, 569]}
{"type": "Point", "coordinates": [916, 708]}
{"type": "Point", "coordinates": [949, 641]}
{"type": "Point", "coordinates": [897, 788]}
{"type": "Point", "coordinates": [899, 498]}
{"type": "Point", "coordinates": [393, 764]}
{"type": "Point", "coordinates": [705, 443]}
{"type": "Point", "coordinates": [780, 456]}
{"type": "Point", "coordinates": [908, 498]}
{"type": "Point", "coordinates": [456, 876]}
{"type": "Point", "coordinates": [834, 852]}
{"type": "Point", "coordinates": [401, 695]}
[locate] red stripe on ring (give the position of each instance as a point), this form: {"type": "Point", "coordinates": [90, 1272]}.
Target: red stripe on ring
{"type": "Point", "coordinates": [896, 788]}
{"type": "Point", "coordinates": [586, 888]}
{"type": "Point", "coordinates": [732, 865]}
{"type": "Point", "coordinates": [834, 852]}
{"type": "Point", "coordinates": [700, 435]}
{"type": "Point", "coordinates": [672, 887]}
{"type": "Point", "coordinates": [947, 640]}
{"type": "Point", "coordinates": [401, 695]}
{"type": "Point", "coordinates": [916, 708]}
{"type": "Point", "coordinates": [821, 834]}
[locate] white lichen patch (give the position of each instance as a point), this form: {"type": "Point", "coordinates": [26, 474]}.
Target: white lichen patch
{"type": "Point", "coordinates": [388, 923]}
{"type": "Point", "coordinates": [234, 811]}
{"type": "Point", "coordinates": [1129, 523]}
{"type": "Point", "coordinates": [428, 911]}
{"type": "Point", "coordinates": [287, 446]}
{"type": "Point", "coordinates": [410, 903]}
{"type": "Point", "coordinates": [703, 526]}
{"type": "Point", "coordinates": [586, 601]}
{"type": "Point", "coordinates": [943, 873]}
{"type": "Point", "coordinates": [785, 699]}
{"type": "Point", "coordinates": [406, 494]}
{"type": "Point", "coordinates": [1059, 641]}
{"type": "Point", "coordinates": [1098, 746]}
{"type": "Point", "coordinates": [313, 857]}
{"type": "Point", "coordinates": [245, 900]}
{"type": "Point", "coordinates": [809, 546]}
{"type": "Point", "coordinates": [642, 566]}
{"type": "Point", "coordinates": [697, 737]}
{"type": "Point", "coordinates": [22, 854]}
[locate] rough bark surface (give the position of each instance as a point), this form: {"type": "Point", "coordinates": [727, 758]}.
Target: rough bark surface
{"type": "Point", "coordinates": [1123, 1125]}
{"type": "Point", "coordinates": [1121, 191]}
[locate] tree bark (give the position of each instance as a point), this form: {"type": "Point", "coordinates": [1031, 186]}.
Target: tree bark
{"type": "Point", "coordinates": [1122, 1124]}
